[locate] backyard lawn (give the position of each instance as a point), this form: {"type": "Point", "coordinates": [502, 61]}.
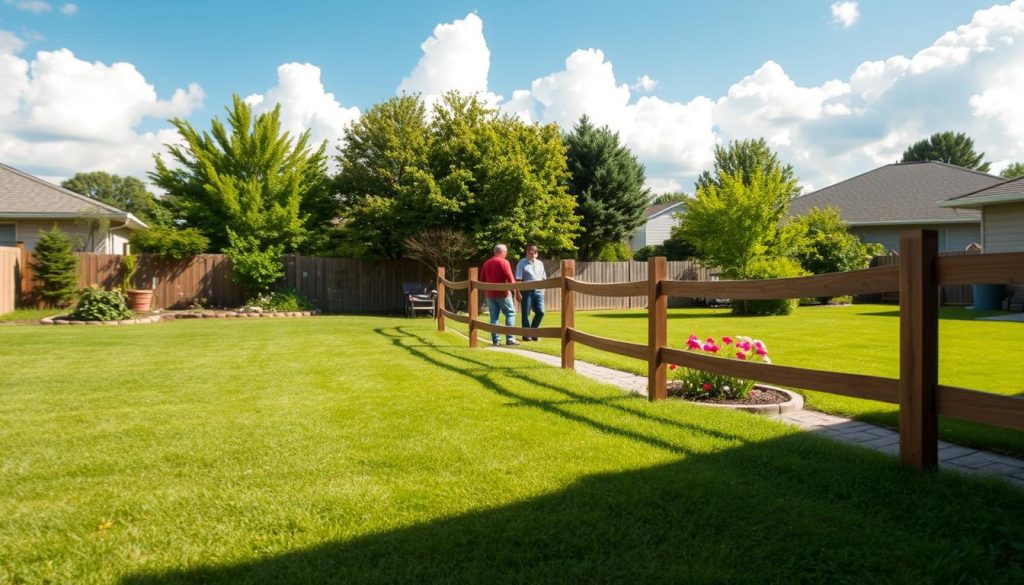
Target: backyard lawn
{"type": "Point", "coordinates": [860, 339]}
{"type": "Point", "coordinates": [356, 449]}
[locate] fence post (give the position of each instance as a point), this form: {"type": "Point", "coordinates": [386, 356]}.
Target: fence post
{"type": "Point", "coordinates": [439, 309]}
{"type": "Point", "coordinates": [25, 274]}
{"type": "Point", "coordinates": [919, 348]}
{"type": "Point", "coordinates": [474, 306]}
{"type": "Point", "coordinates": [657, 327]}
{"type": "Point", "coordinates": [568, 316]}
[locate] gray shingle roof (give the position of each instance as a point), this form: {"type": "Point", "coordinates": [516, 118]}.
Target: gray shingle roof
{"type": "Point", "coordinates": [656, 209]}
{"type": "Point", "coordinates": [1005, 192]}
{"type": "Point", "coordinates": [900, 193]}
{"type": "Point", "coordinates": [24, 195]}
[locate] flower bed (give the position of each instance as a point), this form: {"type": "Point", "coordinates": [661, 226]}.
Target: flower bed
{"type": "Point", "coordinates": [66, 320]}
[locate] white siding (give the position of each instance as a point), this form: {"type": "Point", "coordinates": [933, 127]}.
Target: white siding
{"type": "Point", "coordinates": [638, 238]}
{"type": "Point", "coordinates": [659, 229]}
{"type": "Point", "coordinates": [1004, 227]}
{"type": "Point", "coordinates": [952, 237]}
{"type": "Point", "coordinates": [28, 230]}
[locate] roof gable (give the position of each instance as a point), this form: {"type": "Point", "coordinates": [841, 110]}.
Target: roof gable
{"type": "Point", "coordinates": [900, 193]}
{"type": "Point", "coordinates": [660, 208]}
{"type": "Point", "coordinates": [1005, 192]}
{"type": "Point", "coordinates": [24, 195]}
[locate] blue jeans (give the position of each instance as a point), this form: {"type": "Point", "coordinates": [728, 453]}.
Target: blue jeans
{"type": "Point", "coordinates": [533, 300]}
{"type": "Point", "coordinates": [497, 307]}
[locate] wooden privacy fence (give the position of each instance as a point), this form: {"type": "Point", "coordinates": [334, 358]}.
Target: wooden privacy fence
{"type": "Point", "coordinates": [10, 274]}
{"type": "Point", "coordinates": [917, 278]}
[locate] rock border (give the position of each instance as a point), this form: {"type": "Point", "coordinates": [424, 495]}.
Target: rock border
{"type": "Point", "coordinates": [63, 320]}
{"type": "Point", "coordinates": [794, 404]}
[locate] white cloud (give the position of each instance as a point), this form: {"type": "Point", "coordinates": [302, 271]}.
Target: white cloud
{"type": "Point", "coordinates": [305, 104]}
{"type": "Point", "coordinates": [659, 186]}
{"type": "Point", "coordinates": [845, 14]}
{"type": "Point", "coordinates": [69, 9]}
{"type": "Point", "coordinates": [33, 6]}
{"type": "Point", "coordinates": [61, 113]}
{"type": "Point", "coordinates": [644, 84]}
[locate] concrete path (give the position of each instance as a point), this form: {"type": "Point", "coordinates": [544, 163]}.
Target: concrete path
{"type": "Point", "coordinates": [955, 457]}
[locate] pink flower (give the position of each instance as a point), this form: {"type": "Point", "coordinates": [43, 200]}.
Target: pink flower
{"type": "Point", "coordinates": [761, 352]}
{"type": "Point", "coordinates": [727, 340]}
{"type": "Point", "coordinates": [711, 340]}
{"type": "Point", "coordinates": [693, 343]}
{"type": "Point", "coordinates": [740, 355]}
{"type": "Point", "coordinates": [710, 346]}
{"type": "Point", "coordinates": [706, 386]}
{"type": "Point", "coordinates": [759, 345]}
{"type": "Point", "coordinates": [744, 345]}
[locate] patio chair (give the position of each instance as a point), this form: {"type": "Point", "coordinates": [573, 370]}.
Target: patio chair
{"type": "Point", "coordinates": [418, 299]}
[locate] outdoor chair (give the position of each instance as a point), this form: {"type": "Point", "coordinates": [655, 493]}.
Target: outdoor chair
{"type": "Point", "coordinates": [418, 299]}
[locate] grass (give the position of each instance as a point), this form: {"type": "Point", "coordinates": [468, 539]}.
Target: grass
{"type": "Point", "coordinates": [357, 449]}
{"type": "Point", "coordinates": [863, 339]}
{"type": "Point", "coordinates": [30, 315]}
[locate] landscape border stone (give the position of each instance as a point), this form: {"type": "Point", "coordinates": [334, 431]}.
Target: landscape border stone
{"type": "Point", "coordinates": [794, 404]}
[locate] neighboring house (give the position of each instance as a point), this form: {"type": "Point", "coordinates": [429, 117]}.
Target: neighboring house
{"type": "Point", "coordinates": [30, 205]}
{"type": "Point", "coordinates": [880, 204]}
{"type": "Point", "coordinates": [657, 227]}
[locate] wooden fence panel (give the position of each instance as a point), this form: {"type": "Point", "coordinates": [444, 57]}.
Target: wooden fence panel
{"type": "Point", "coordinates": [10, 266]}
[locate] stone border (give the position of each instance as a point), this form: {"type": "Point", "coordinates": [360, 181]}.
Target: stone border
{"type": "Point", "coordinates": [794, 404]}
{"type": "Point", "coordinates": [63, 320]}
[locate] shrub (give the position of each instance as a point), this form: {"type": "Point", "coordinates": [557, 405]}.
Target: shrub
{"type": "Point", "coordinates": [130, 262]}
{"type": "Point", "coordinates": [764, 268]}
{"type": "Point", "coordinates": [96, 304]}
{"type": "Point", "coordinates": [255, 268]}
{"type": "Point", "coordinates": [284, 300]}
{"type": "Point", "coordinates": [56, 268]}
{"type": "Point", "coordinates": [701, 384]}
{"type": "Point", "coordinates": [170, 243]}
{"type": "Point", "coordinates": [615, 252]}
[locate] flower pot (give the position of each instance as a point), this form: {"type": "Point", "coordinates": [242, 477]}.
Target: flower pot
{"type": "Point", "coordinates": [140, 300]}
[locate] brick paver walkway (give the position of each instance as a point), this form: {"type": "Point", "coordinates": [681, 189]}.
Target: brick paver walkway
{"type": "Point", "coordinates": [956, 457]}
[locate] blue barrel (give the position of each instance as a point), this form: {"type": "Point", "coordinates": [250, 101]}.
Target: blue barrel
{"type": "Point", "coordinates": [988, 297]}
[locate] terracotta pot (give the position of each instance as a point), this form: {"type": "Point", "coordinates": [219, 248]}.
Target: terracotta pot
{"type": "Point", "coordinates": [140, 300]}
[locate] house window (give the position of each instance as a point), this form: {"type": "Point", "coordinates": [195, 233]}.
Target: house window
{"type": "Point", "coordinates": [943, 240]}
{"type": "Point", "coordinates": [7, 234]}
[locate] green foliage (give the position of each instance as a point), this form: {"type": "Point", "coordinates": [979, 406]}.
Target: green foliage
{"type": "Point", "coordinates": [948, 147]}
{"type": "Point", "coordinates": [827, 245]}
{"type": "Point", "coordinates": [127, 193]}
{"type": "Point", "coordinates": [671, 249]}
{"type": "Point", "coordinates": [670, 198]}
{"type": "Point", "coordinates": [608, 183]}
{"type": "Point", "coordinates": [1013, 171]}
{"type": "Point", "coordinates": [614, 252]}
{"type": "Point", "coordinates": [468, 169]}
{"type": "Point", "coordinates": [130, 262]}
{"type": "Point", "coordinates": [56, 268]}
{"type": "Point", "coordinates": [744, 158]}
{"type": "Point", "coordinates": [282, 300]}
{"type": "Point", "coordinates": [734, 219]}
{"type": "Point", "coordinates": [762, 268]}
{"type": "Point", "coordinates": [175, 244]}
{"type": "Point", "coordinates": [250, 178]}
{"type": "Point", "coordinates": [255, 267]}
{"type": "Point", "coordinates": [698, 384]}
{"type": "Point", "coordinates": [96, 304]}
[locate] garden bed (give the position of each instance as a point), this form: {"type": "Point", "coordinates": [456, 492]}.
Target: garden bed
{"type": "Point", "coordinates": [763, 399]}
{"type": "Point", "coordinates": [156, 317]}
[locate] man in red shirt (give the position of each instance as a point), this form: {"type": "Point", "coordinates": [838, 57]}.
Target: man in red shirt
{"type": "Point", "coordinates": [498, 270]}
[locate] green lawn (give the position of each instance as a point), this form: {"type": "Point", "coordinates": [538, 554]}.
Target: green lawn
{"type": "Point", "coordinates": [366, 449]}
{"type": "Point", "coordinates": [862, 339]}
{"type": "Point", "coordinates": [30, 315]}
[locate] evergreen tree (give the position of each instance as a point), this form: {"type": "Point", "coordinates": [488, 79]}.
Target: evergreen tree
{"type": "Point", "coordinates": [955, 149]}
{"type": "Point", "coordinates": [1013, 171]}
{"type": "Point", "coordinates": [608, 184]}
{"type": "Point", "coordinates": [745, 157]}
{"type": "Point", "coordinates": [56, 268]}
{"type": "Point", "coordinates": [669, 198]}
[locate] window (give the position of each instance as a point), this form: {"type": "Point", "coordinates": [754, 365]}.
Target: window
{"type": "Point", "coordinates": [7, 234]}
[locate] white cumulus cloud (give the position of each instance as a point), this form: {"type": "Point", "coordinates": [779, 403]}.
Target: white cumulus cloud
{"type": "Point", "coordinates": [644, 84]}
{"type": "Point", "coordinates": [33, 6]}
{"type": "Point", "coordinates": [845, 14]}
{"type": "Point", "coordinates": [69, 9]}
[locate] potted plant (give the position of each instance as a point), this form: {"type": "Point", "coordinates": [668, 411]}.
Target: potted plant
{"type": "Point", "coordinates": [138, 299]}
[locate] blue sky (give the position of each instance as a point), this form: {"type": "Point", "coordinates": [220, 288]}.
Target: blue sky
{"type": "Point", "coordinates": [723, 70]}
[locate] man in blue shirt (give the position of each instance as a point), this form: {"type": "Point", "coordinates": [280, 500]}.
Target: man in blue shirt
{"type": "Point", "coordinates": [531, 268]}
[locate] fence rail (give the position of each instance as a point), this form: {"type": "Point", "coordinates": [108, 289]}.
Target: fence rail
{"type": "Point", "coordinates": [917, 277]}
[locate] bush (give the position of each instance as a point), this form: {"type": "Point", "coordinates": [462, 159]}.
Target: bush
{"type": "Point", "coordinates": [285, 300]}
{"type": "Point", "coordinates": [96, 304]}
{"type": "Point", "coordinates": [672, 249]}
{"type": "Point", "coordinates": [615, 252]}
{"type": "Point", "coordinates": [170, 243]}
{"type": "Point", "coordinates": [764, 268]}
{"type": "Point", "coordinates": [255, 268]}
{"type": "Point", "coordinates": [56, 268]}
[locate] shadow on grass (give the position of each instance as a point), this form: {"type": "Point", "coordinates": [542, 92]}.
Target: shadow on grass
{"type": "Point", "coordinates": [704, 313]}
{"type": "Point", "coordinates": [945, 314]}
{"type": "Point", "coordinates": [792, 509]}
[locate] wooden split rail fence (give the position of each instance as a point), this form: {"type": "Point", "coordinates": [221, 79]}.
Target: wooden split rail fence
{"type": "Point", "coordinates": [917, 278]}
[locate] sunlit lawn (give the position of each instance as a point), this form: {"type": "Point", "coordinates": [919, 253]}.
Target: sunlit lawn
{"type": "Point", "coordinates": [367, 449]}
{"type": "Point", "coordinates": [30, 315]}
{"type": "Point", "coordinates": [864, 339]}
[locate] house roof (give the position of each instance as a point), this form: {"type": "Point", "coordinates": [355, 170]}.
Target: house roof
{"type": "Point", "coordinates": [1006, 192]}
{"type": "Point", "coordinates": [660, 208]}
{"type": "Point", "coordinates": [900, 193]}
{"type": "Point", "coordinates": [25, 196]}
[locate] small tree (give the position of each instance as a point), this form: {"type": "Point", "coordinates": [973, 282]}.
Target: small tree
{"type": "Point", "coordinates": [744, 158]}
{"type": "Point", "coordinates": [948, 147]}
{"type": "Point", "coordinates": [255, 267]}
{"type": "Point", "coordinates": [1013, 171]}
{"type": "Point", "coordinates": [827, 244]}
{"type": "Point", "coordinates": [440, 247]}
{"type": "Point", "coordinates": [56, 268]}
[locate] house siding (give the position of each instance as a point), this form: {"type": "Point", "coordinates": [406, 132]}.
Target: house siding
{"type": "Point", "coordinates": [28, 231]}
{"type": "Point", "coordinates": [638, 239]}
{"type": "Point", "coordinates": [952, 237]}
{"type": "Point", "coordinates": [1004, 227]}
{"type": "Point", "coordinates": [659, 229]}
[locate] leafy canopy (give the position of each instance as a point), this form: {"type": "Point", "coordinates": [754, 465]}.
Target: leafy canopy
{"type": "Point", "coordinates": [744, 158]}
{"type": "Point", "coordinates": [1013, 171]}
{"type": "Point", "coordinates": [127, 193]}
{"type": "Point", "coordinates": [948, 147]}
{"type": "Point", "coordinates": [608, 183]}
{"type": "Point", "coordinates": [826, 244]}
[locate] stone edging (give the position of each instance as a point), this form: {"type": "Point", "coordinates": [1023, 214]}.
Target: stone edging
{"type": "Point", "coordinates": [63, 320]}
{"type": "Point", "coordinates": [794, 404]}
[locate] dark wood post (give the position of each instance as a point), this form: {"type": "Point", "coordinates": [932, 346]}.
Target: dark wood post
{"type": "Point", "coordinates": [474, 306]}
{"type": "Point", "coordinates": [439, 308]}
{"type": "Point", "coordinates": [657, 327]}
{"type": "Point", "coordinates": [568, 316]}
{"type": "Point", "coordinates": [919, 348]}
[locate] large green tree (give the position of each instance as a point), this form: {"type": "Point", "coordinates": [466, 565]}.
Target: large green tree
{"type": "Point", "coordinates": [1013, 171]}
{"type": "Point", "coordinates": [608, 183]}
{"type": "Point", "coordinates": [826, 244]}
{"type": "Point", "coordinates": [743, 158]}
{"type": "Point", "coordinates": [948, 147]}
{"type": "Point", "coordinates": [247, 180]}
{"type": "Point", "coordinates": [469, 169]}
{"type": "Point", "coordinates": [127, 193]}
